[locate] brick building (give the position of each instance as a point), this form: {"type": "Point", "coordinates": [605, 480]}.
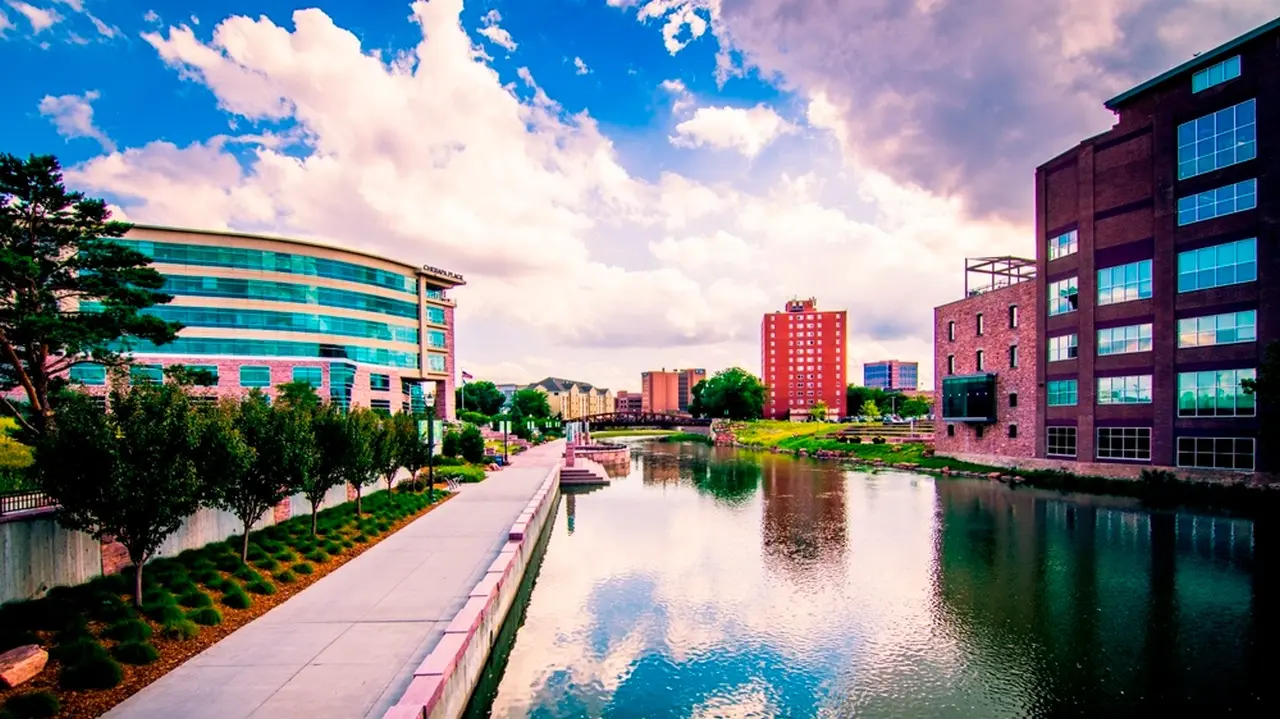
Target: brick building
{"type": "Point", "coordinates": [891, 374]}
{"type": "Point", "coordinates": [803, 360]}
{"type": "Point", "coordinates": [628, 402]}
{"type": "Point", "coordinates": [669, 391]}
{"type": "Point", "coordinates": [985, 363]}
{"type": "Point", "coordinates": [1159, 270]}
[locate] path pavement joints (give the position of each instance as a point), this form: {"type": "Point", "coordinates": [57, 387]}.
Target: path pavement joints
{"type": "Point", "coordinates": [347, 645]}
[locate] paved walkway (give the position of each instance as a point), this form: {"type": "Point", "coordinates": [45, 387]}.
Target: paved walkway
{"type": "Point", "coordinates": [347, 645]}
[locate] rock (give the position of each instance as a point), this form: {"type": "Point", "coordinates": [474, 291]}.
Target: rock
{"type": "Point", "coordinates": [21, 664]}
{"type": "Point", "coordinates": [993, 475]}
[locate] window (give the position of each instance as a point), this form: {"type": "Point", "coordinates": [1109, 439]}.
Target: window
{"type": "Point", "coordinates": [1065, 244]}
{"type": "Point", "coordinates": [1013, 431]}
{"type": "Point", "coordinates": [1063, 297]}
{"type": "Point", "coordinates": [1013, 356]}
{"type": "Point", "coordinates": [283, 322]}
{"type": "Point", "coordinates": [381, 406]}
{"type": "Point", "coordinates": [1228, 69]}
{"type": "Point", "coordinates": [1225, 329]}
{"type": "Point", "coordinates": [435, 315]}
{"type": "Point", "coordinates": [979, 358]}
{"type": "Point", "coordinates": [255, 376]}
{"type": "Point", "coordinates": [379, 382]}
{"type": "Point", "coordinates": [1216, 452]}
{"type": "Point", "coordinates": [1123, 283]}
{"type": "Point", "coordinates": [280, 348]}
{"type": "Point", "coordinates": [1218, 266]}
{"type": "Point", "coordinates": [1131, 389]}
{"type": "Point", "coordinates": [977, 431]}
{"type": "Point", "coordinates": [1013, 317]}
{"type": "Point", "coordinates": [1216, 203]}
{"type": "Point", "coordinates": [313, 376]}
{"type": "Point", "coordinates": [435, 338]}
{"type": "Point", "coordinates": [1063, 347]}
{"type": "Point", "coordinates": [979, 324]}
{"type": "Point", "coordinates": [1131, 443]}
{"type": "Point", "coordinates": [88, 373]}
{"type": "Point", "coordinates": [951, 331]}
{"type": "Point", "coordinates": [951, 430]}
{"type": "Point", "coordinates": [435, 363]}
{"type": "Point", "coordinates": [1215, 393]}
{"type": "Point", "coordinates": [203, 375]}
{"type": "Point", "coordinates": [1217, 140]}
{"type": "Point", "coordinates": [1124, 340]}
{"type": "Point", "coordinates": [1062, 392]}
{"type": "Point", "coordinates": [1060, 441]}
{"type": "Point", "coordinates": [1013, 399]}
{"type": "Point", "coordinates": [951, 364]}
{"type": "Point", "coordinates": [271, 291]}
{"type": "Point", "coordinates": [146, 374]}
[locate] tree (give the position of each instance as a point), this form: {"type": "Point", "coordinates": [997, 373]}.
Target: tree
{"type": "Point", "coordinates": [1266, 391]}
{"type": "Point", "coordinates": [133, 474]}
{"type": "Point", "coordinates": [913, 407]}
{"type": "Point", "coordinates": [360, 465]}
{"type": "Point", "coordinates": [818, 412]}
{"type": "Point", "coordinates": [733, 393]}
{"type": "Point", "coordinates": [869, 410]}
{"type": "Point", "coordinates": [258, 455]}
{"type": "Point", "coordinates": [451, 443]}
{"type": "Point", "coordinates": [475, 417]}
{"type": "Point", "coordinates": [519, 423]}
{"type": "Point", "coordinates": [415, 452]}
{"type": "Point", "coordinates": [300, 394]}
{"type": "Point", "coordinates": [885, 401]}
{"type": "Point", "coordinates": [531, 403]}
{"type": "Point", "coordinates": [386, 445]}
{"type": "Point", "coordinates": [471, 444]}
{"type": "Point", "coordinates": [68, 292]}
{"type": "Point", "coordinates": [329, 424]}
{"type": "Point", "coordinates": [483, 397]}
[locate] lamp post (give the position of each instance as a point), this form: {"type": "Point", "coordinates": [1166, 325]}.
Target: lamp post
{"type": "Point", "coordinates": [431, 448]}
{"type": "Point", "coordinates": [506, 426]}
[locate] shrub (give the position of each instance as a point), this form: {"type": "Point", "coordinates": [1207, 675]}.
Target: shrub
{"type": "Point", "coordinates": [854, 440]}
{"type": "Point", "coordinates": [361, 538]}
{"type": "Point", "coordinates": [285, 577]}
{"type": "Point", "coordinates": [268, 564]}
{"type": "Point", "coordinates": [877, 440]}
{"type": "Point", "coordinates": [219, 584]}
{"type": "Point", "coordinates": [107, 607]}
{"type": "Point", "coordinates": [157, 595]}
{"type": "Point", "coordinates": [98, 672]}
{"type": "Point", "coordinates": [33, 705]}
{"type": "Point", "coordinates": [1158, 477]}
{"type": "Point", "coordinates": [237, 599]}
{"type": "Point", "coordinates": [332, 547]}
{"type": "Point", "coordinates": [460, 474]}
{"type": "Point", "coordinates": [269, 546]}
{"type": "Point", "coordinates": [347, 544]}
{"type": "Point", "coordinates": [183, 586]}
{"type": "Point", "coordinates": [227, 562]}
{"type": "Point", "coordinates": [78, 651]}
{"type": "Point", "coordinates": [441, 460]}
{"type": "Point", "coordinates": [137, 653]}
{"type": "Point", "coordinates": [180, 630]}
{"type": "Point", "coordinates": [261, 587]}
{"type": "Point", "coordinates": [11, 637]}
{"type": "Point", "coordinates": [303, 568]}
{"type": "Point", "coordinates": [246, 574]}
{"type": "Point", "coordinates": [208, 576]}
{"type": "Point", "coordinates": [196, 599]}
{"type": "Point", "coordinates": [129, 630]}
{"type": "Point", "coordinates": [382, 525]}
{"type": "Point", "coordinates": [318, 556]}
{"type": "Point", "coordinates": [285, 556]}
{"type": "Point", "coordinates": [451, 443]}
{"type": "Point", "coordinates": [474, 417]}
{"type": "Point", "coordinates": [163, 613]}
{"type": "Point", "coordinates": [471, 444]}
{"type": "Point", "coordinates": [205, 616]}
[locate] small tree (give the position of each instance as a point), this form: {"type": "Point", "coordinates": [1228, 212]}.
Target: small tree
{"type": "Point", "coordinates": [360, 465]}
{"type": "Point", "coordinates": [818, 412]}
{"type": "Point", "coordinates": [415, 453]}
{"type": "Point", "coordinates": [300, 394]}
{"type": "Point", "coordinates": [914, 407]}
{"type": "Point", "coordinates": [471, 444]}
{"type": "Point", "coordinates": [133, 474]}
{"type": "Point", "coordinates": [451, 444]}
{"type": "Point", "coordinates": [329, 424]}
{"type": "Point", "coordinates": [519, 423]}
{"type": "Point", "coordinates": [483, 397]}
{"type": "Point", "coordinates": [869, 409]}
{"type": "Point", "coordinates": [733, 393]}
{"type": "Point", "coordinates": [386, 446]}
{"type": "Point", "coordinates": [531, 403]}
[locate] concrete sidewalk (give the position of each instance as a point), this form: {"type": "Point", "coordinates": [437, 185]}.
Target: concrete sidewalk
{"type": "Point", "coordinates": [347, 645]}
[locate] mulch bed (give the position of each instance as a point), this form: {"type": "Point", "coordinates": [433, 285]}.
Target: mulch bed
{"type": "Point", "coordinates": [173, 652]}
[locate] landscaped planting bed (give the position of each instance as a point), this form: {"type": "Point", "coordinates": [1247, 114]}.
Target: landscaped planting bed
{"type": "Point", "coordinates": [102, 649]}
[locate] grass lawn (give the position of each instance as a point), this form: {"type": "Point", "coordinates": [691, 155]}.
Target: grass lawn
{"type": "Point", "coordinates": [607, 433]}
{"type": "Point", "coordinates": [102, 649]}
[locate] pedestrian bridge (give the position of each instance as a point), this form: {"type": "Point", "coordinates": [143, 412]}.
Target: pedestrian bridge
{"type": "Point", "coordinates": [646, 420]}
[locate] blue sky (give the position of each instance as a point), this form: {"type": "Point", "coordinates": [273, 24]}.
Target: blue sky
{"type": "Point", "coordinates": [626, 184]}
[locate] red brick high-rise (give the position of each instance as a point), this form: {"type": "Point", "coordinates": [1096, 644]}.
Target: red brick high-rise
{"type": "Point", "coordinates": [803, 360]}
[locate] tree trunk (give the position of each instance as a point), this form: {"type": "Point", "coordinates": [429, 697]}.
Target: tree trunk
{"type": "Point", "coordinates": [137, 580]}
{"type": "Point", "coordinates": [244, 548]}
{"type": "Point", "coordinates": [390, 479]}
{"type": "Point", "coordinates": [313, 519]}
{"type": "Point", "coordinates": [359, 487]}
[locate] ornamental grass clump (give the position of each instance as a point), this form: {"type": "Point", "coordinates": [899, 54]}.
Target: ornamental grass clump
{"type": "Point", "coordinates": [136, 653]}
{"type": "Point", "coordinates": [180, 630]}
{"type": "Point", "coordinates": [205, 616]}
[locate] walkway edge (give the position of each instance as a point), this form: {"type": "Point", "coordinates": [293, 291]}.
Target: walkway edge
{"type": "Point", "coordinates": [443, 683]}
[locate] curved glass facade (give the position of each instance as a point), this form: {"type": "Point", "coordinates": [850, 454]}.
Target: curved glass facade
{"type": "Point", "coordinates": [286, 322]}
{"type": "Point", "coordinates": [269, 291]}
{"type": "Point", "coordinates": [282, 348]}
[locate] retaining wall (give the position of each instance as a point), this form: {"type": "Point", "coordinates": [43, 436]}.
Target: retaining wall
{"type": "Point", "coordinates": [1114, 470]}
{"type": "Point", "coordinates": [442, 685]}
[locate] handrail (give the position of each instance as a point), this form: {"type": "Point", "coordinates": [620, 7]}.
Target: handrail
{"type": "Point", "coordinates": [24, 501]}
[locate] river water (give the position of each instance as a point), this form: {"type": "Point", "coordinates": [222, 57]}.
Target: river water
{"type": "Point", "coordinates": [716, 583]}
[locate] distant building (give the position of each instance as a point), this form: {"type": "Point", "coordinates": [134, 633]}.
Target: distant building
{"type": "Point", "coordinates": [803, 360]}
{"type": "Point", "coordinates": [891, 374]}
{"type": "Point", "coordinates": [570, 399]}
{"type": "Point", "coordinates": [985, 363]}
{"type": "Point", "coordinates": [629, 402]}
{"type": "Point", "coordinates": [669, 391]}
{"type": "Point", "coordinates": [508, 391]}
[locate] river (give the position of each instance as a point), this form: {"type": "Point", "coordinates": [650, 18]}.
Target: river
{"type": "Point", "coordinates": [716, 583]}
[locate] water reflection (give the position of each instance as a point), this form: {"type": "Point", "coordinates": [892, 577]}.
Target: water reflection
{"type": "Point", "coordinates": [711, 583]}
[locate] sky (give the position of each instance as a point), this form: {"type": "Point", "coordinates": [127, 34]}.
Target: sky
{"type": "Point", "coordinates": [626, 185]}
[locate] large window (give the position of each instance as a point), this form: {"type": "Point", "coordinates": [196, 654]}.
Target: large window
{"type": "Point", "coordinates": [1216, 203]}
{"type": "Point", "coordinates": [1065, 244]}
{"type": "Point", "coordinates": [379, 382]}
{"type": "Point", "coordinates": [284, 322]}
{"type": "Point", "coordinates": [280, 348]}
{"type": "Point", "coordinates": [1216, 452]}
{"type": "Point", "coordinates": [435, 338]}
{"type": "Point", "coordinates": [1131, 443]}
{"type": "Point", "coordinates": [1228, 69]}
{"type": "Point", "coordinates": [435, 363]}
{"type": "Point", "coordinates": [255, 376]}
{"type": "Point", "coordinates": [1224, 329]}
{"type": "Point", "coordinates": [270, 291]}
{"type": "Point", "coordinates": [1063, 347]}
{"type": "Point", "coordinates": [1062, 392]}
{"type": "Point", "coordinates": [1123, 340]}
{"type": "Point", "coordinates": [1217, 140]}
{"type": "Point", "coordinates": [1060, 441]}
{"type": "Point", "coordinates": [203, 375]}
{"type": "Point", "coordinates": [147, 373]}
{"type": "Point", "coordinates": [1215, 393]}
{"type": "Point", "coordinates": [969, 399]}
{"type": "Point", "coordinates": [1063, 297]}
{"type": "Point", "coordinates": [313, 376]}
{"type": "Point", "coordinates": [1218, 266]}
{"type": "Point", "coordinates": [435, 315]}
{"type": "Point", "coordinates": [88, 373]}
{"type": "Point", "coordinates": [1123, 283]}
{"type": "Point", "coordinates": [1132, 389]}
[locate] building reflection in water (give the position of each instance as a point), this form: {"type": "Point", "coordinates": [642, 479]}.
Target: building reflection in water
{"type": "Point", "coordinates": [805, 520]}
{"type": "Point", "coordinates": [1098, 607]}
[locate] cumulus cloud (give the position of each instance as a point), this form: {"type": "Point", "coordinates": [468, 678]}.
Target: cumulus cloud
{"type": "Point", "coordinates": [152, 16]}
{"type": "Point", "coordinates": [494, 33]}
{"type": "Point", "coordinates": [5, 23]}
{"type": "Point", "coordinates": [41, 19]}
{"type": "Point", "coordinates": [747, 130]}
{"type": "Point", "coordinates": [72, 115]}
{"type": "Point", "coordinates": [580, 67]}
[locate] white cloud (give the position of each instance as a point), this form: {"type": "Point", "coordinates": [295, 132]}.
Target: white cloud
{"type": "Point", "coordinates": [5, 23]}
{"type": "Point", "coordinates": [105, 30]}
{"type": "Point", "coordinates": [72, 115]}
{"type": "Point", "coordinates": [152, 16]}
{"type": "Point", "coordinates": [746, 130]}
{"type": "Point", "coordinates": [77, 5]}
{"type": "Point", "coordinates": [41, 19]}
{"type": "Point", "coordinates": [580, 66]}
{"type": "Point", "coordinates": [494, 33]}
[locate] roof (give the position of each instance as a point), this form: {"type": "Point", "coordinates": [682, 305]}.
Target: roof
{"type": "Point", "coordinates": [450, 278]}
{"type": "Point", "coordinates": [1204, 58]}
{"type": "Point", "coordinates": [557, 384]}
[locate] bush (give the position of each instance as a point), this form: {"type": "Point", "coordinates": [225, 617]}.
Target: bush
{"type": "Point", "coordinates": [318, 556]}
{"type": "Point", "coordinates": [129, 630]}
{"type": "Point", "coordinates": [227, 562]}
{"type": "Point", "coordinates": [11, 637]}
{"type": "Point", "coordinates": [441, 460]}
{"type": "Point", "coordinates": [303, 568]}
{"type": "Point", "coordinates": [180, 630]}
{"type": "Point", "coordinates": [268, 564]}
{"type": "Point", "coordinates": [237, 599]}
{"type": "Point", "coordinates": [108, 607]}
{"type": "Point", "coordinates": [136, 653]}
{"type": "Point", "coordinates": [1158, 477]}
{"type": "Point", "coordinates": [360, 538]}
{"type": "Point", "coordinates": [877, 440]}
{"type": "Point", "coordinates": [33, 705]}
{"type": "Point", "coordinates": [246, 574]}
{"type": "Point", "coordinates": [285, 556]}
{"type": "Point", "coordinates": [451, 443]}
{"type": "Point", "coordinates": [460, 474]}
{"type": "Point", "coordinates": [205, 616]}
{"type": "Point", "coordinates": [347, 544]}
{"type": "Point", "coordinates": [98, 672]}
{"type": "Point", "coordinates": [163, 613]}
{"type": "Point", "coordinates": [474, 417]}
{"type": "Point", "coordinates": [261, 587]}
{"type": "Point", "coordinates": [195, 600]}
{"type": "Point", "coordinates": [471, 444]}
{"type": "Point", "coordinates": [285, 577]}
{"type": "Point", "coordinates": [332, 547]}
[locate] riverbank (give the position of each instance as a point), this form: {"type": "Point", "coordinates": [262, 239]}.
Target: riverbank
{"type": "Point", "coordinates": [607, 433]}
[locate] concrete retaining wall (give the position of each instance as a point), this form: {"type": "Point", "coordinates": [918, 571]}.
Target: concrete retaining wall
{"type": "Point", "coordinates": [1114, 470]}
{"type": "Point", "coordinates": [442, 685]}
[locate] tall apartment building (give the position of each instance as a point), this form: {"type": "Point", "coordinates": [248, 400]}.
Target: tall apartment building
{"type": "Point", "coordinates": [803, 359]}
{"type": "Point", "coordinates": [891, 374]}
{"type": "Point", "coordinates": [1160, 271]}
{"type": "Point", "coordinates": [669, 391]}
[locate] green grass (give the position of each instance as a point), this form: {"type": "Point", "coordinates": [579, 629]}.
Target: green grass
{"type": "Point", "coordinates": [687, 437]}
{"type": "Point", "coordinates": [605, 434]}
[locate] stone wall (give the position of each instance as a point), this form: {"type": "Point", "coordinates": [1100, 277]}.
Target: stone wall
{"type": "Point", "coordinates": [1113, 470]}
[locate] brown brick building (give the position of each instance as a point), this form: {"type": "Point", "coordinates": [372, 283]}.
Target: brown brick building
{"type": "Point", "coordinates": [985, 363]}
{"type": "Point", "coordinates": [803, 359]}
{"type": "Point", "coordinates": [1158, 269]}
{"type": "Point", "coordinates": [669, 391]}
{"type": "Point", "coordinates": [628, 402]}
